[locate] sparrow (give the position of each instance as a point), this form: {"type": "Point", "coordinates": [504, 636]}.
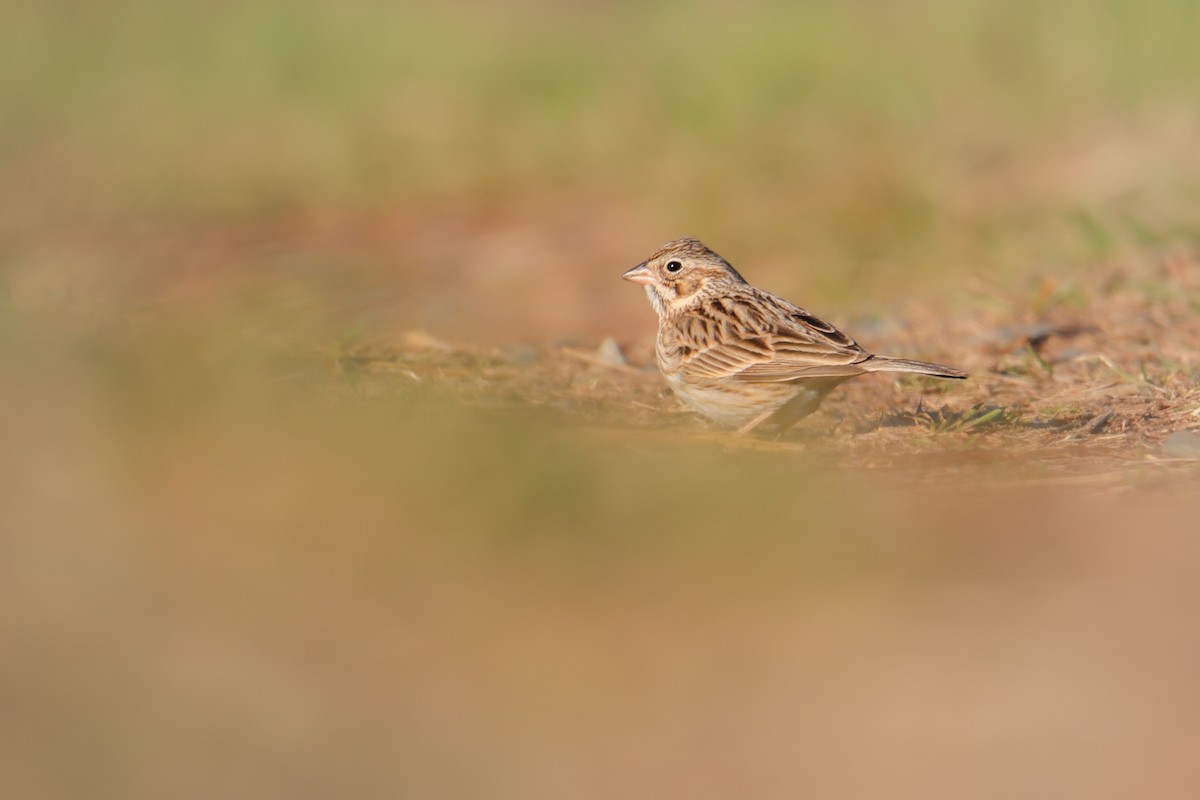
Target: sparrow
{"type": "Point", "coordinates": [742, 356]}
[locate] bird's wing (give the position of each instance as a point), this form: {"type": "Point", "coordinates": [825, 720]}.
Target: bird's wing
{"type": "Point", "coordinates": [759, 338]}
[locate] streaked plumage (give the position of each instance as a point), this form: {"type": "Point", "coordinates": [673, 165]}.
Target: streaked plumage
{"type": "Point", "coordinates": [742, 356]}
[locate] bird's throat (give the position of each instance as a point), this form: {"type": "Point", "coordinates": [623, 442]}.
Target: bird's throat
{"type": "Point", "coordinates": [655, 300]}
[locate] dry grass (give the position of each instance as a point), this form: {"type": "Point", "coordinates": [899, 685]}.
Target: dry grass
{"type": "Point", "coordinates": [1074, 381]}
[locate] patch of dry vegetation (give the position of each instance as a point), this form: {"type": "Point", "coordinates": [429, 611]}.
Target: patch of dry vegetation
{"type": "Point", "coordinates": [1078, 379]}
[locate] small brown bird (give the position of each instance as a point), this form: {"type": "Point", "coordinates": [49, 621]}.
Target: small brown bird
{"type": "Point", "coordinates": [742, 356]}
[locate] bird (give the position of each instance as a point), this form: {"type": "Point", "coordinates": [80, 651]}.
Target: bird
{"type": "Point", "coordinates": [744, 357]}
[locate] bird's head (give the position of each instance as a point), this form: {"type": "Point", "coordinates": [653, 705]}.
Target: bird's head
{"type": "Point", "coordinates": [681, 272]}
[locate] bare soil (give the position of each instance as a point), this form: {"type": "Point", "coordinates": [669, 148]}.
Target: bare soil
{"type": "Point", "coordinates": [1092, 382]}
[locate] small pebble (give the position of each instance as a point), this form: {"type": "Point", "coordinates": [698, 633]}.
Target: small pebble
{"type": "Point", "coordinates": [610, 353]}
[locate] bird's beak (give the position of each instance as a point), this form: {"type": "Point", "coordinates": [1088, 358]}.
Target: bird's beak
{"type": "Point", "coordinates": [639, 274]}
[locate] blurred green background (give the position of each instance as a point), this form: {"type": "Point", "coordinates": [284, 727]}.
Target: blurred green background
{"type": "Point", "coordinates": [226, 573]}
{"type": "Point", "coordinates": [858, 151]}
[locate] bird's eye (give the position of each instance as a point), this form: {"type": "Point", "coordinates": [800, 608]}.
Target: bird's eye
{"type": "Point", "coordinates": [674, 266]}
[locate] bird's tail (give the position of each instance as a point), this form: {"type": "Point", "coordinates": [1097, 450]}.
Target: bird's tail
{"type": "Point", "coordinates": [885, 364]}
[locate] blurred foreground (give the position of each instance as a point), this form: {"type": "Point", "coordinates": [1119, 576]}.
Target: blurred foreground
{"type": "Point", "coordinates": [233, 573]}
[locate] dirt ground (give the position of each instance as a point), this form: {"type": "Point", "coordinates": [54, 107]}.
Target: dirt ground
{"type": "Point", "coordinates": [1092, 384]}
